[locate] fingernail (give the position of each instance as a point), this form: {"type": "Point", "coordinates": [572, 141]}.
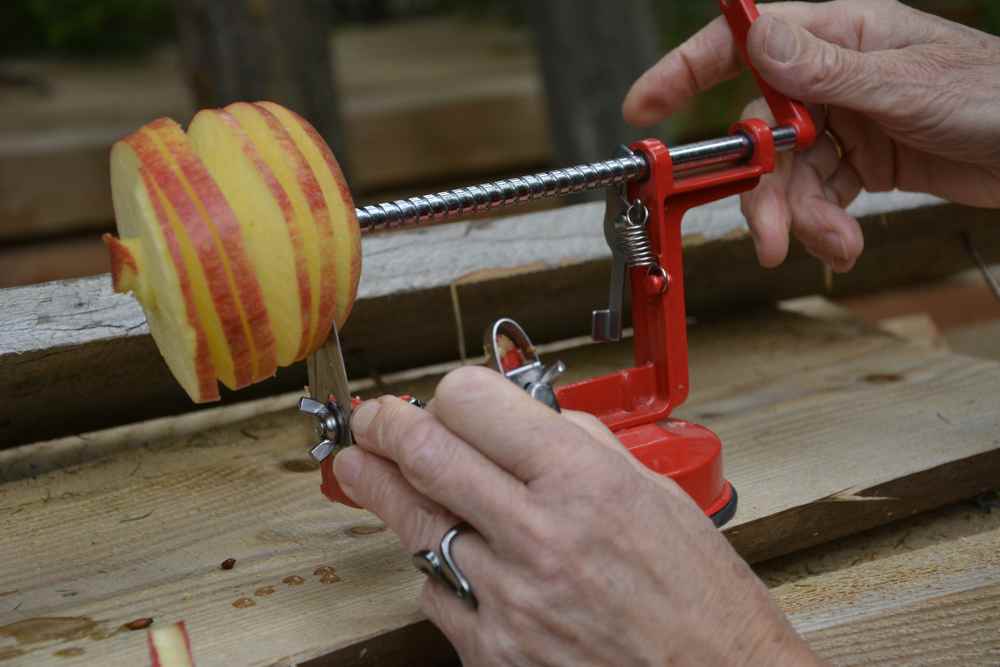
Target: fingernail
{"type": "Point", "coordinates": [835, 245]}
{"type": "Point", "coordinates": [362, 418]}
{"type": "Point", "coordinates": [347, 466]}
{"type": "Point", "coordinates": [782, 42]}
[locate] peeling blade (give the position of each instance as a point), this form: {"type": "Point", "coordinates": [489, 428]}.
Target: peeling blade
{"type": "Point", "coordinates": [328, 377]}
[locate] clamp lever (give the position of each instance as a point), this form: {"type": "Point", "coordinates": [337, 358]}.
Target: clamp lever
{"type": "Point", "coordinates": [510, 352]}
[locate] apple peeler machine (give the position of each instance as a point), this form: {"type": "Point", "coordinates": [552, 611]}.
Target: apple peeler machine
{"type": "Point", "coordinates": [649, 189]}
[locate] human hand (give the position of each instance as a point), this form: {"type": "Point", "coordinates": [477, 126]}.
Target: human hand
{"type": "Point", "coordinates": [912, 99]}
{"type": "Point", "coordinates": [580, 555]}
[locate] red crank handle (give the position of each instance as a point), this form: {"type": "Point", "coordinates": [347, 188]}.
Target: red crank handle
{"type": "Point", "coordinates": [741, 14]}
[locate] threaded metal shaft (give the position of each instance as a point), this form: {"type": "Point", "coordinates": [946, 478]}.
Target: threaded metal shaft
{"type": "Point", "coordinates": [496, 194]}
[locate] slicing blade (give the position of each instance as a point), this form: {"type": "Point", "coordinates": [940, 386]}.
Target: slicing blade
{"type": "Point", "coordinates": [328, 378]}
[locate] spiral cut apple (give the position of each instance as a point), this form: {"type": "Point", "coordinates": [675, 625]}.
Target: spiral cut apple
{"type": "Point", "coordinates": [239, 240]}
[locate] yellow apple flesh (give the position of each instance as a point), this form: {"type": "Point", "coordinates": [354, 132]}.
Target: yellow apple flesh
{"type": "Point", "coordinates": [274, 238]}
{"type": "Point", "coordinates": [346, 235]}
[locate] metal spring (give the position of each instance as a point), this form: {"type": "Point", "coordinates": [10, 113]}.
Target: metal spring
{"type": "Point", "coordinates": [633, 237]}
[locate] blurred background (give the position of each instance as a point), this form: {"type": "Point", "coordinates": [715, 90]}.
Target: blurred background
{"type": "Point", "coordinates": [413, 95]}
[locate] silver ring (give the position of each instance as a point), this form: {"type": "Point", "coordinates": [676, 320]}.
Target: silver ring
{"type": "Point", "coordinates": [444, 568]}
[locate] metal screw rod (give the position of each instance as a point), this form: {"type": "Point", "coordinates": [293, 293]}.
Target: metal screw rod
{"type": "Point", "coordinates": [496, 194]}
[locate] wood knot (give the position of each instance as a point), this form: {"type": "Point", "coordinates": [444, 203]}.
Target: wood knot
{"type": "Point", "coordinates": [883, 378]}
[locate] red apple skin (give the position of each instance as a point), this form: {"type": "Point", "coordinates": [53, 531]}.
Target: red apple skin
{"type": "Point", "coordinates": [208, 385]}
{"type": "Point", "coordinates": [122, 262]}
{"type": "Point", "coordinates": [324, 229]}
{"type": "Point", "coordinates": [201, 239]}
{"type": "Point", "coordinates": [353, 230]}
{"type": "Point", "coordinates": [242, 277]}
{"type": "Point", "coordinates": [285, 204]}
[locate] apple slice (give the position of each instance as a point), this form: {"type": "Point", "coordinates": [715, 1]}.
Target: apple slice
{"type": "Point", "coordinates": [343, 223]}
{"type": "Point", "coordinates": [292, 171]}
{"type": "Point", "coordinates": [270, 226]}
{"type": "Point", "coordinates": [147, 260]}
{"type": "Point", "coordinates": [217, 235]}
{"type": "Point", "coordinates": [218, 307]}
{"type": "Point", "coordinates": [170, 646]}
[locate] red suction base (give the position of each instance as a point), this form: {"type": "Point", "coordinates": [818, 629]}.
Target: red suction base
{"type": "Point", "coordinates": [689, 454]}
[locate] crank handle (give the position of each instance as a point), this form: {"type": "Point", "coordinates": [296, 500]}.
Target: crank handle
{"type": "Point", "coordinates": [741, 15]}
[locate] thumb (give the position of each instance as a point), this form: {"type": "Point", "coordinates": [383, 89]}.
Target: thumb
{"type": "Point", "coordinates": [806, 68]}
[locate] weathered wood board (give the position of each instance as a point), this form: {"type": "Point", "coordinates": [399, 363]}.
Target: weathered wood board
{"type": "Point", "coordinates": [920, 592]}
{"type": "Point", "coordinates": [813, 414]}
{"type": "Point", "coordinates": [548, 270]}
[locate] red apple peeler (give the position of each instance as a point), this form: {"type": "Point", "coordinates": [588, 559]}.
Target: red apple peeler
{"type": "Point", "coordinates": [650, 187]}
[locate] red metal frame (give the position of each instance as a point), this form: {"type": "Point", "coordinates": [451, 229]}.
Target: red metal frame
{"type": "Point", "coordinates": [636, 403]}
{"type": "Point", "coordinates": [741, 15]}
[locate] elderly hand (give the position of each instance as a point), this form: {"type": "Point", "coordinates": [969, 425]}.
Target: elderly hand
{"type": "Point", "coordinates": [914, 101]}
{"type": "Point", "coordinates": [580, 556]}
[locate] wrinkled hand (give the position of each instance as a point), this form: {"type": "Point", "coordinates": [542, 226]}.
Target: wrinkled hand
{"type": "Point", "coordinates": [913, 99]}
{"type": "Point", "coordinates": [582, 557]}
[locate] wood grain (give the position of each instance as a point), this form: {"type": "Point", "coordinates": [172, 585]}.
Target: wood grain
{"type": "Point", "coordinates": [142, 534]}
{"type": "Point", "coordinates": [920, 592]}
{"type": "Point", "coordinates": [78, 346]}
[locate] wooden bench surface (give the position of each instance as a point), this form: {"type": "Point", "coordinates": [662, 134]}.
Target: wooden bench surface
{"type": "Point", "coordinates": [830, 429]}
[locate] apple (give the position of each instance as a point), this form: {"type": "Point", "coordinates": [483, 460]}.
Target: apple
{"type": "Point", "coordinates": [271, 227]}
{"type": "Point", "coordinates": [147, 261]}
{"type": "Point", "coordinates": [226, 231]}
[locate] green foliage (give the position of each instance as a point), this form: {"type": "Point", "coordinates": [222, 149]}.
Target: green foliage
{"type": "Point", "coordinates": [84, 27]}
{"type": "Point", "coordinates": [991, 18]}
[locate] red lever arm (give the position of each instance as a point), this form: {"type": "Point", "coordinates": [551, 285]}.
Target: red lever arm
{"type": "Point", "coordinates": [741, 15]}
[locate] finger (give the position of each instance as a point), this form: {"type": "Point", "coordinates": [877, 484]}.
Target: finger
{"type": "Point", "coordinates": [419, 522]}
{"type": "Point", "coordinates": [766, 207]}
{"type": "Point", "coordinates": [824, 157]}
{"type": "Point", "coordinates": [440, 464]}
{"type": "Point", "coordinates": [454, 618]}
{"type": "Point", "coordinates": [594, 426]}
{"type": "Point", "coordinates": [518, 433]}
{"type": "Point", "coordinates": [824, 228]}
{"type": "Point", "coordinates": [769, 217]}
{"type": "Point", "coordinates": [710, 57]}
{"type": "Point", "coordinates": [807, 67]}
{"type": "Point", "coordinates": [699, 64]}
{"type": "Point", "coordinates": [844, 186]}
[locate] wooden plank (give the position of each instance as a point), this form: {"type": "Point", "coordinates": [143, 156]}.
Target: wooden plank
{"type": "Point", "coordinates": [142, 534]}
{"type": "Point", "coordinates": [421, 102]}
{"type": "Point", "coordinates": [961, 628]}
{"type": "Point", "coordinates": [919, 592]}
{"type": "Point", "coordinates": [55, 259]}
{"type": "Point", "coordinates": [63, 341]}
